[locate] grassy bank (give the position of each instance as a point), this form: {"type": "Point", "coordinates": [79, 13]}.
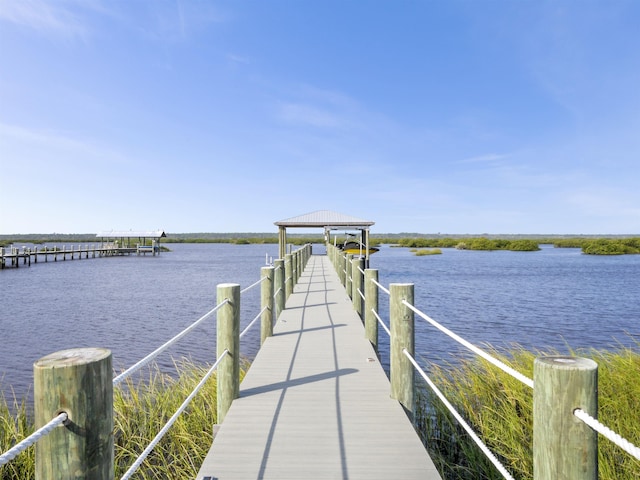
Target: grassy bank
{"type": "Point", "coordinates": [500, 409]}
{"type": "Point", "coordinates": [141, 409]}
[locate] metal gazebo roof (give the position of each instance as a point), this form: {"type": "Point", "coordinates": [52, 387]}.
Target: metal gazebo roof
{"type": "Point", "coordinates": [325, 219]}
{"type": "Point", "coordinates": [132, 234]}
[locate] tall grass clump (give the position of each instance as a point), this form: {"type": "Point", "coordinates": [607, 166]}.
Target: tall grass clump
{"type": "Point", "coordinates": [15, 425]}
{"type": "Point", "coordinates": [421, 252]}
{"type": "Point", "coordinates": [500, 410]}
{"type": "Point", "coordinates": [141, 409]}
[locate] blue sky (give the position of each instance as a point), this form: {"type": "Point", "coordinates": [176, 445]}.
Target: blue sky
{"type": "Point", "coordinates": [226, 116]}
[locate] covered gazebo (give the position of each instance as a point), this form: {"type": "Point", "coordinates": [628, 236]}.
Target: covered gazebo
{"type": "Point", "coordinates": [327, 220]}
{"type": "Point", "coordinates": [125, 238]}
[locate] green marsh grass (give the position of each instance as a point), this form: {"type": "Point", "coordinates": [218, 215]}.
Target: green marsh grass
{"type": "Point", "coordinates": [141, 409]}
{"type": "Point", "coordinates": [15, 425]}
{"type": "Point", "coordinates": [496, 405]}
{"type": "Point", "coordinates": [420, 252]}
{"type": "Point", "coordinates": [500, 410]}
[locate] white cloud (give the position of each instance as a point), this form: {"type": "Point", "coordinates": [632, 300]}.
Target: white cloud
{"type": "Point", "coordinates": [299, 113]}
{"type": "Point", "coordinates": [45, 17]}
{"type": "Point", "coordinates": [44, 147]}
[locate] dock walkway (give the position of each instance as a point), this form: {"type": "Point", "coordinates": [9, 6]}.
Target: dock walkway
{"type": "Point", "coordinates": [315, 403]}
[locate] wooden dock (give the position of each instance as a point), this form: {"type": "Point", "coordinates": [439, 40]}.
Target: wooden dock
{"type": "Point", "coordinates": [315, 403]}
{"type": "Point", "coordinates": [13, 256]}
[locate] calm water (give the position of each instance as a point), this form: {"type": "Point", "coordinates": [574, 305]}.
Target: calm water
{"type": "Point", "coordinates": [553, 298]}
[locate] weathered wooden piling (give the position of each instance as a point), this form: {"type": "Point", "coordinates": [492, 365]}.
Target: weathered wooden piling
{"type": "Point", "coordinates": [288, 276]}
{"type": "Point", "coordinates": [78, 382]}
{"type": "Point", "coordinates": [228, 338]}
{"type": "Point", "coordinates": [357, 266]}
{"type": "Point", "coordinates": [563, 446]}
{"type": "Point", "coordinates": [371, 305]}
{"type": "Point", "coordinates": [402, 337]}
{"type": "Point", "coordinates": [279, 286]}
{"type": "Point", "coordinates": [266, 302]}
{"type": "Point", "coordinates": [348, 274]}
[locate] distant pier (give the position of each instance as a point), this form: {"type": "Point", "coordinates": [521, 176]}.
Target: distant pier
{"type": "Point", "coordinates": [112, 244]}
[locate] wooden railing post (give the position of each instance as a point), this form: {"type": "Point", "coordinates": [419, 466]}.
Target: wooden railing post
{"type": "Point", "coordinates": [288, 275]}
{"type": "Point", "coordinates": [78, 382]}
{"type": "Point", "coordinates": [371, 305]}
{"type": "Point", "coordinates": [348, 275]}
{"type": "Point", "coordinates": [228, 338]}
{"type": "Point", "coordinates": [402, 337]}
{"type": "Point", "coordinates": [357, 265]}
{"type": "Point", "coordinates": [279, 285]}
{"type": "Point", "coordinates": [563, 446]}
{"type": "Point", "coordinates": [342, 267]}
{"type": "Point", "coordinates": [266, 304]}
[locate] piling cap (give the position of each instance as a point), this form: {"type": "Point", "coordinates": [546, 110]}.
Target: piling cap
{"type": "Point", "coordinates": [567, 363]}
{"type": "Point", "coordinates": [74, 356]}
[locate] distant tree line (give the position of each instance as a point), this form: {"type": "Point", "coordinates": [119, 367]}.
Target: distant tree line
{"type": "Point", "coordinates": [604, 245]}
{"type": "Point", "coordinates": [479, 243]}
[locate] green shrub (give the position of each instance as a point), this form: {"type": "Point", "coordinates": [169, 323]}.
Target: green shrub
{"type": "Point", "coordinates": [425, 251]}
{"type": "Point", "coordinates": [499, 408]}
{"type": "Point", "coordinates": [523, 246]}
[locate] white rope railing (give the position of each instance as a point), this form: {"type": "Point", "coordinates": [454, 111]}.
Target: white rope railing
{"type": "Point", "coordinates": [381, 322]}
{"type": "Point", "coordinates": [20, 447]}
{"type": "Point", "coordinates": [492, 458]}
{"type": "Point", "coordinates": [501, 365]}
{"type": "Point", "coordinates": [172, 420]}
{"type": "Point", "coordinates": [375, 282]}
{"type": "Point", "coordinates": [609, 434]}
{"type": "Point", "coordinates": [248, 327]}
{"type": "Point", "coordinates": [131, 370]}
{"type": "Point", "coordinates": [361, 294]}
{"type": "Point", "coordinates": [253, 285]}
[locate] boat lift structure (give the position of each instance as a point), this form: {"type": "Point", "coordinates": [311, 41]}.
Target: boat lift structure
{"type": "Point", "coordinates": [329, 221]}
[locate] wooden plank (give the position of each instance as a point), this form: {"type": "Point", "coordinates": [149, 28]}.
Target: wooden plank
{"type": "Point", "coordinates": [315, 402]}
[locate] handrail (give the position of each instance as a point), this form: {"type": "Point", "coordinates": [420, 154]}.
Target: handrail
{"type": "Point", "coordinates": [381, 287]}
{"type": "Point", "coordinates": [17, 449]}
{"type": "Point", "coordinates": [489, 454]}
{"type": "Point", "coordinates": [578, 412]}
{"type": "Point", "coordinates": [253, 285]}
{"type": "Point", "coordinates": [501, 365]}
{"type": "Point", "coordinates": [131, 370]}
{"type": "Point", "coordinates": [63, 417]}
{"type": "Point", "coordinates": [252, 322]}
{"type": "Point", "coordinates": [172, 420]}
{"type": "Point", "coordinates": [609, 434]}
{"type": "Point", "coordinates": [386, 329]}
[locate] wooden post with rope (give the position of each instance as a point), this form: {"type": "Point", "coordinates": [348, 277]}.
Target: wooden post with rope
{"type": "Point", "coordinates": [266, 303]}
{"type": "Point", "coordinates": [564, 446]}
{"type": "Point", "coordinates": [402, 338]}
{"type": "Point", "coordinates": [78, 382]}
{"type": "Point", "coordinates": [371, 305]}
{"type": "Point", "coordinates": [357, 265]}
{"type": "Point", "coordinates": [279, 286]}
{"type": "Point", "coordinates": [228, 338]}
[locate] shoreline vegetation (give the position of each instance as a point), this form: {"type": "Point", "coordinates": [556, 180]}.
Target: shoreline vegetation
{"type": "Point", "coordinates": [590, 245]}
{"type": "Point", "coordinates": [497, 406]}
{"type": "Point", "coordinates": [500, 410]}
